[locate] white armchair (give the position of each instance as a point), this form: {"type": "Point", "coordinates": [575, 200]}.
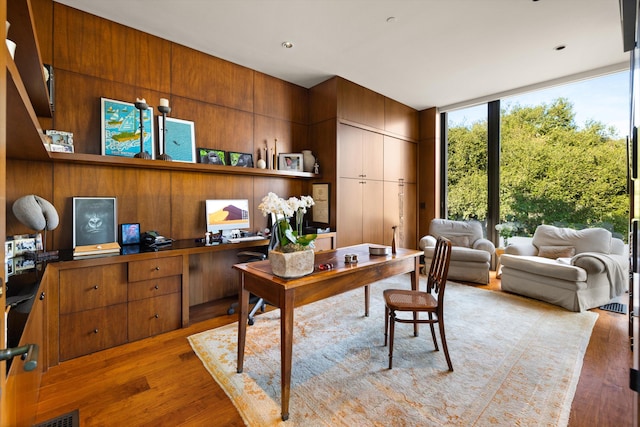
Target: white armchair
{"type": "Point", "coordinates": [471, 253]}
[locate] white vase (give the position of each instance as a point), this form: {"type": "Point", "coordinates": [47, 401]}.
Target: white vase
{"type": "Point", "coordinates": [308, 160]}
{"type": "Point", "coordinates": [292, 264]}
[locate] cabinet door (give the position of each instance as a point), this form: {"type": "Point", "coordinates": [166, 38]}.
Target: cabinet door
{"type": "Point", "coordinates": [92, 330]}
{"type": "Point", "coordinates": [349, 221]}
{"type": "Point", "coordinates": [372, 212]}
{"type": "Point", "coordinates": [400, 209]}
{"type": "Point", "coordinates": [400, 160]}
{"type": "Point", "coordinates": [154, 316]}
{"type": "Point", "coordinates": [349, 152]}
{"type": "Point", "coordinates": [373, 155]}
{"type": "Point", "coordinates": [92, 287]}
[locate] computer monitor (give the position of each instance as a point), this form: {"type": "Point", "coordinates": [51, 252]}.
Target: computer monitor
{"type": "Point", "coordinates": [224, 215]}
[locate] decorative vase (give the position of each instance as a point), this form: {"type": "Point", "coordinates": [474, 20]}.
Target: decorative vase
{"type": "Point", "coordinates": [290, 265]}
{"type": "Point", "coordinates": [308, 160]}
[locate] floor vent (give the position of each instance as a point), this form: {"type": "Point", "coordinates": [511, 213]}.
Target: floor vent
{"type": "Point", "coordinates": [72, 419]}
{"type": "Point", "coordinates": [616, 307]}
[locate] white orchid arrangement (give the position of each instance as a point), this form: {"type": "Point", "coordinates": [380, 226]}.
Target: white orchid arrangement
{"type": "Point", "coordinates": [506, 229]}
{"type": "Point", "coordinates": [288, 239]}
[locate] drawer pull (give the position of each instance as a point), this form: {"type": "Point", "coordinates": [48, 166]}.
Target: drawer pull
{"type": "Point", "coordinates": [158, 268]}
{"type": "Point", "coordinates": [41, 296]}
{"type": "Point", "coordinates": [95, 331]}
{"type": "Point", "coordinates": [95, 287]}
{"type": "Point", "coordinates": [156, 287]}
{"type": "Point", "coordinates": [157, 316]}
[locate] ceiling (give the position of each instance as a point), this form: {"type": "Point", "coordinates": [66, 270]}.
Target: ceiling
{"type": "Point", "coordinates": [423, 53]}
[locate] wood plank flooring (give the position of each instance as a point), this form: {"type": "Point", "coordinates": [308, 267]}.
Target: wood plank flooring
{"type": "Point", "coordinates": [160, 382]}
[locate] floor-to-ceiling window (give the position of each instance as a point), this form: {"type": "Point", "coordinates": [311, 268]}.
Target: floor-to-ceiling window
{"type": "Point", "coordinates": [561, 159]}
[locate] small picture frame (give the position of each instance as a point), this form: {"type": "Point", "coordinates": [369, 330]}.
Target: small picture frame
{"type": "Point", "coordinates": [22, 263]}
{"type": "Point", "coordinates": [211, 156]}
{"type": "Point", "coordinates": [23, 246]}
{"type": "Point", "coordinates": [9, 268]}
{"type": "Point", "coordinates": [9, 246]}
{"type": "Point", "coordinates": [181, 139]}
{"type": "Point", "coordinates": [290, 162]}
{"type": "Point", "coordinates": [60, 137]}
{"type": "Point", "coordinates": [130, 234]}
{"type": "Point", "coordinates": [121, 129]}
{"type": "Point", "coordinates": [95, 221]}
{"type": "Point", "coordinates": [243, 160]}
{"type": "Point", "coordinates": [320, 191]}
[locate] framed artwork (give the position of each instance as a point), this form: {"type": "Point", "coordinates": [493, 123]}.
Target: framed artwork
{"type": "Point", "coordinates": [121, 129]}
{"type": "Point", "coordinates": [244, 160]}
{"type": "Point", "coordinates": [23, 246]}
{"type": "Point", "coordinates": [9, 268]}
{"type": "Point", "coordinates": [320, 209]}
{"type": "Point", "coordinates": [130, 234]}
{"type": "Point", "coordinates": [290, 162]}
{"type": "Point", "coordinates": [181, 139]}
{"type": "Point", "coordinates": [8, 249]}
{"type": "Point", "coordinates": [94, 221]}
{"type": "Point", "coordinates": [211, 156]}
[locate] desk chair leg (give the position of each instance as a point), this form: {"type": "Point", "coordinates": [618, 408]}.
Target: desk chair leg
{"type": "Point", "coordinates": [444, 343]}
{"type": "Point", "coordinates": [386, 324]}
{"type": "Point", "coordinates": [260, 305]}
{"type": "Point", "coordinates": [433, 331]}
{"type": "Point", "coordinates": [392, 320]}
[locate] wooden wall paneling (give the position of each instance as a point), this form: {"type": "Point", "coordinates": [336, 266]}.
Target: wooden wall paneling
{"type": "Point", "coordinates": [400, 119]}
{"type": "Point", "coordinates": [292, 137]}
{"type": "Point", "coordinates": [400, 160]}
{"type": "Point", "coordinates": [190, 190]}
{"type": "Point", "coordinates": [216, 127]}
{"type": "Point", "coordinates": [284, 188]}
{"type": "Point", "coordinates": [43, 17]}
{"type": "Point", "coordinates": [279, 99]}
{"type": "Point", "coordinates": [359, 104]}
{"type": "Point", "coordinates": [323, 141]}
{"type": "Point", "coordinates": [429, 171]}
{"type": "Point", "coordinates": [323, 101]}
{"type": "Point", "coordinates": [92, 46]}
{"type": "Point", "coordinates": [199, 76]}
{"type": "Point", "coordinates": [25, 177]}
{"type": "Point", "coordinates": [78, 106]}
{"type": "Point", "coordinates": [211, 276]}
{"type": "Point", "coordinates": [139, 198]}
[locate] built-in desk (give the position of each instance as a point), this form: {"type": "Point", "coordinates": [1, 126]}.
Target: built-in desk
{"type": "Point", "coordinates": [105, 301]}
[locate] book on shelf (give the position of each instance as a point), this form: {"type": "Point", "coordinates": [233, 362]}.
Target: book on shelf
{"type": "Point", "coordinates": [100, 249]}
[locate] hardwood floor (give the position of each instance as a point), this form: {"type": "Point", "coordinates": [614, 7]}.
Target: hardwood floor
{"type": "Point", "coordinates": [160, 382]}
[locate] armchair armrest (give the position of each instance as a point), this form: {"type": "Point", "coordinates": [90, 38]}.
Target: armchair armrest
{"type": "Point", "coordinates": [521, 249]}
{"type": "Point", "coordinates": [591, 265]}
{"type": "Point", "coordinates": [426, 242]}
{"type": "Point", "coordinates": [485, 245]}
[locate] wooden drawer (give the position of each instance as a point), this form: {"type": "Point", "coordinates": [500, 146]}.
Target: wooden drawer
{"type": "Point", "coordinates": [92, 287]}
{"type": "Point", "coordinates": [92, 330]}
{"type": "Point", "coordinates": [154, 316]}
{"type": "Point", "coordinates": [154, 268]}
{"type": "Point", "coordinates": [155, 287]}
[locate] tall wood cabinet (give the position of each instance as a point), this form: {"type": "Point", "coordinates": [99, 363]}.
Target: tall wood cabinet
{"type": "Point", "coordinates": [373, 142]}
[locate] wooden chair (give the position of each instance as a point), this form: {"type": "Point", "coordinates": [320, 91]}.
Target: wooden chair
{"type": "Point", "coordinates": [417, 301]}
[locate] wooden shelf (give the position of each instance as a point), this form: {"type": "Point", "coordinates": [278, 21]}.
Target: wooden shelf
{"type": "Point", "coordinates": [27, 57]}
{"type": "Point", "coordinates": [128, 162]}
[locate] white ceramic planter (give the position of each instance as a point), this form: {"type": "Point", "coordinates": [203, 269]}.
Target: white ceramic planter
{"type": "Point", "coordinates": [292, 264]}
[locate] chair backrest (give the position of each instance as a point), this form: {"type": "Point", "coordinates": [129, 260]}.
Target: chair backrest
{"type": "Point", "coordinates": [437, 277]}
{"type": "Point", "coordinates": [460, 233]}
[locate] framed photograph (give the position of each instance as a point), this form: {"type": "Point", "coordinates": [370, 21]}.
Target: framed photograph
{"type": "Point", "coordinates": [94, 221]}
{"type": "Point", "coordinates": [21, 263]}
{"type": "Point", "coordinates": [8, 267]}
{"type": "Point", "coordinates": [290, 162]}
{"type": "Point", "coordinates": [181, 139]}
{"type": "Point", "coordinates": [121, 129]}
{"type": "Point", "coordinates": [130, 234]}
{"type": "Point", "coordinates": [8, 249]}
{"type": "Point", "coordinates": [22, 246]}
{"type": "Point", "coordinates": [320, 210]}
{"type": "Point", "coordinates": [60, 137]}
{"type": "Point", "coordinates": [211, 156]}
{"type": "Point", "coordinates": [243, 160]}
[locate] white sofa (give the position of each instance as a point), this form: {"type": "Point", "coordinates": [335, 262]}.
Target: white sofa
{"type": "Point", "coordinates": [574, 269]}
{"type": "Point", "coordinates": [471, 253]}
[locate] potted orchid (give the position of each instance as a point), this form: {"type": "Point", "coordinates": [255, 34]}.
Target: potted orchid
{"type": "Point", "coordinates": [291, 252]}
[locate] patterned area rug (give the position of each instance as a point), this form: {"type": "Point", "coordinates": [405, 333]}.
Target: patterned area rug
{"type": "Point", "coordinates": [516, 362]}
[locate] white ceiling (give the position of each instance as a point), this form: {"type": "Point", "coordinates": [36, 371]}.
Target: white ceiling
{"type": "Point", "coordinates": [440, 53]}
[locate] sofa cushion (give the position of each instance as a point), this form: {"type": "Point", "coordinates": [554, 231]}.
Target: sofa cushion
{"type": "Point", "coordinates": [460, 241]}
{"type": "Point", "coordinates": [455, 230]}
{"type": "Point", "coordinates": [544, 267]}
{"type": "Point", "coordinates": [459, 253]}
{"type": "Point", "coordinates": [587, 240]}
{"type": "Point", "coordinates": [555, 252]}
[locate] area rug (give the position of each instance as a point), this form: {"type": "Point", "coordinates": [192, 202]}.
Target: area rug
{"type": "Point", "coordinates": [516, 362]}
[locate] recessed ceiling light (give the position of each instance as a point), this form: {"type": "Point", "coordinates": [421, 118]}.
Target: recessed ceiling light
{"type": "Point", "coordinates": [287, 45]}
{"type": "Point", "coordinates": [560, 47]}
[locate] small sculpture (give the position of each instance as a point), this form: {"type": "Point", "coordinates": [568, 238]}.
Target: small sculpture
{"type": "Point", "coordinates": [316, 168]}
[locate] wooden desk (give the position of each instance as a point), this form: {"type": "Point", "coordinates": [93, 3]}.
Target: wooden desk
{"type": "Point", "coordinates": [258, 279]}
